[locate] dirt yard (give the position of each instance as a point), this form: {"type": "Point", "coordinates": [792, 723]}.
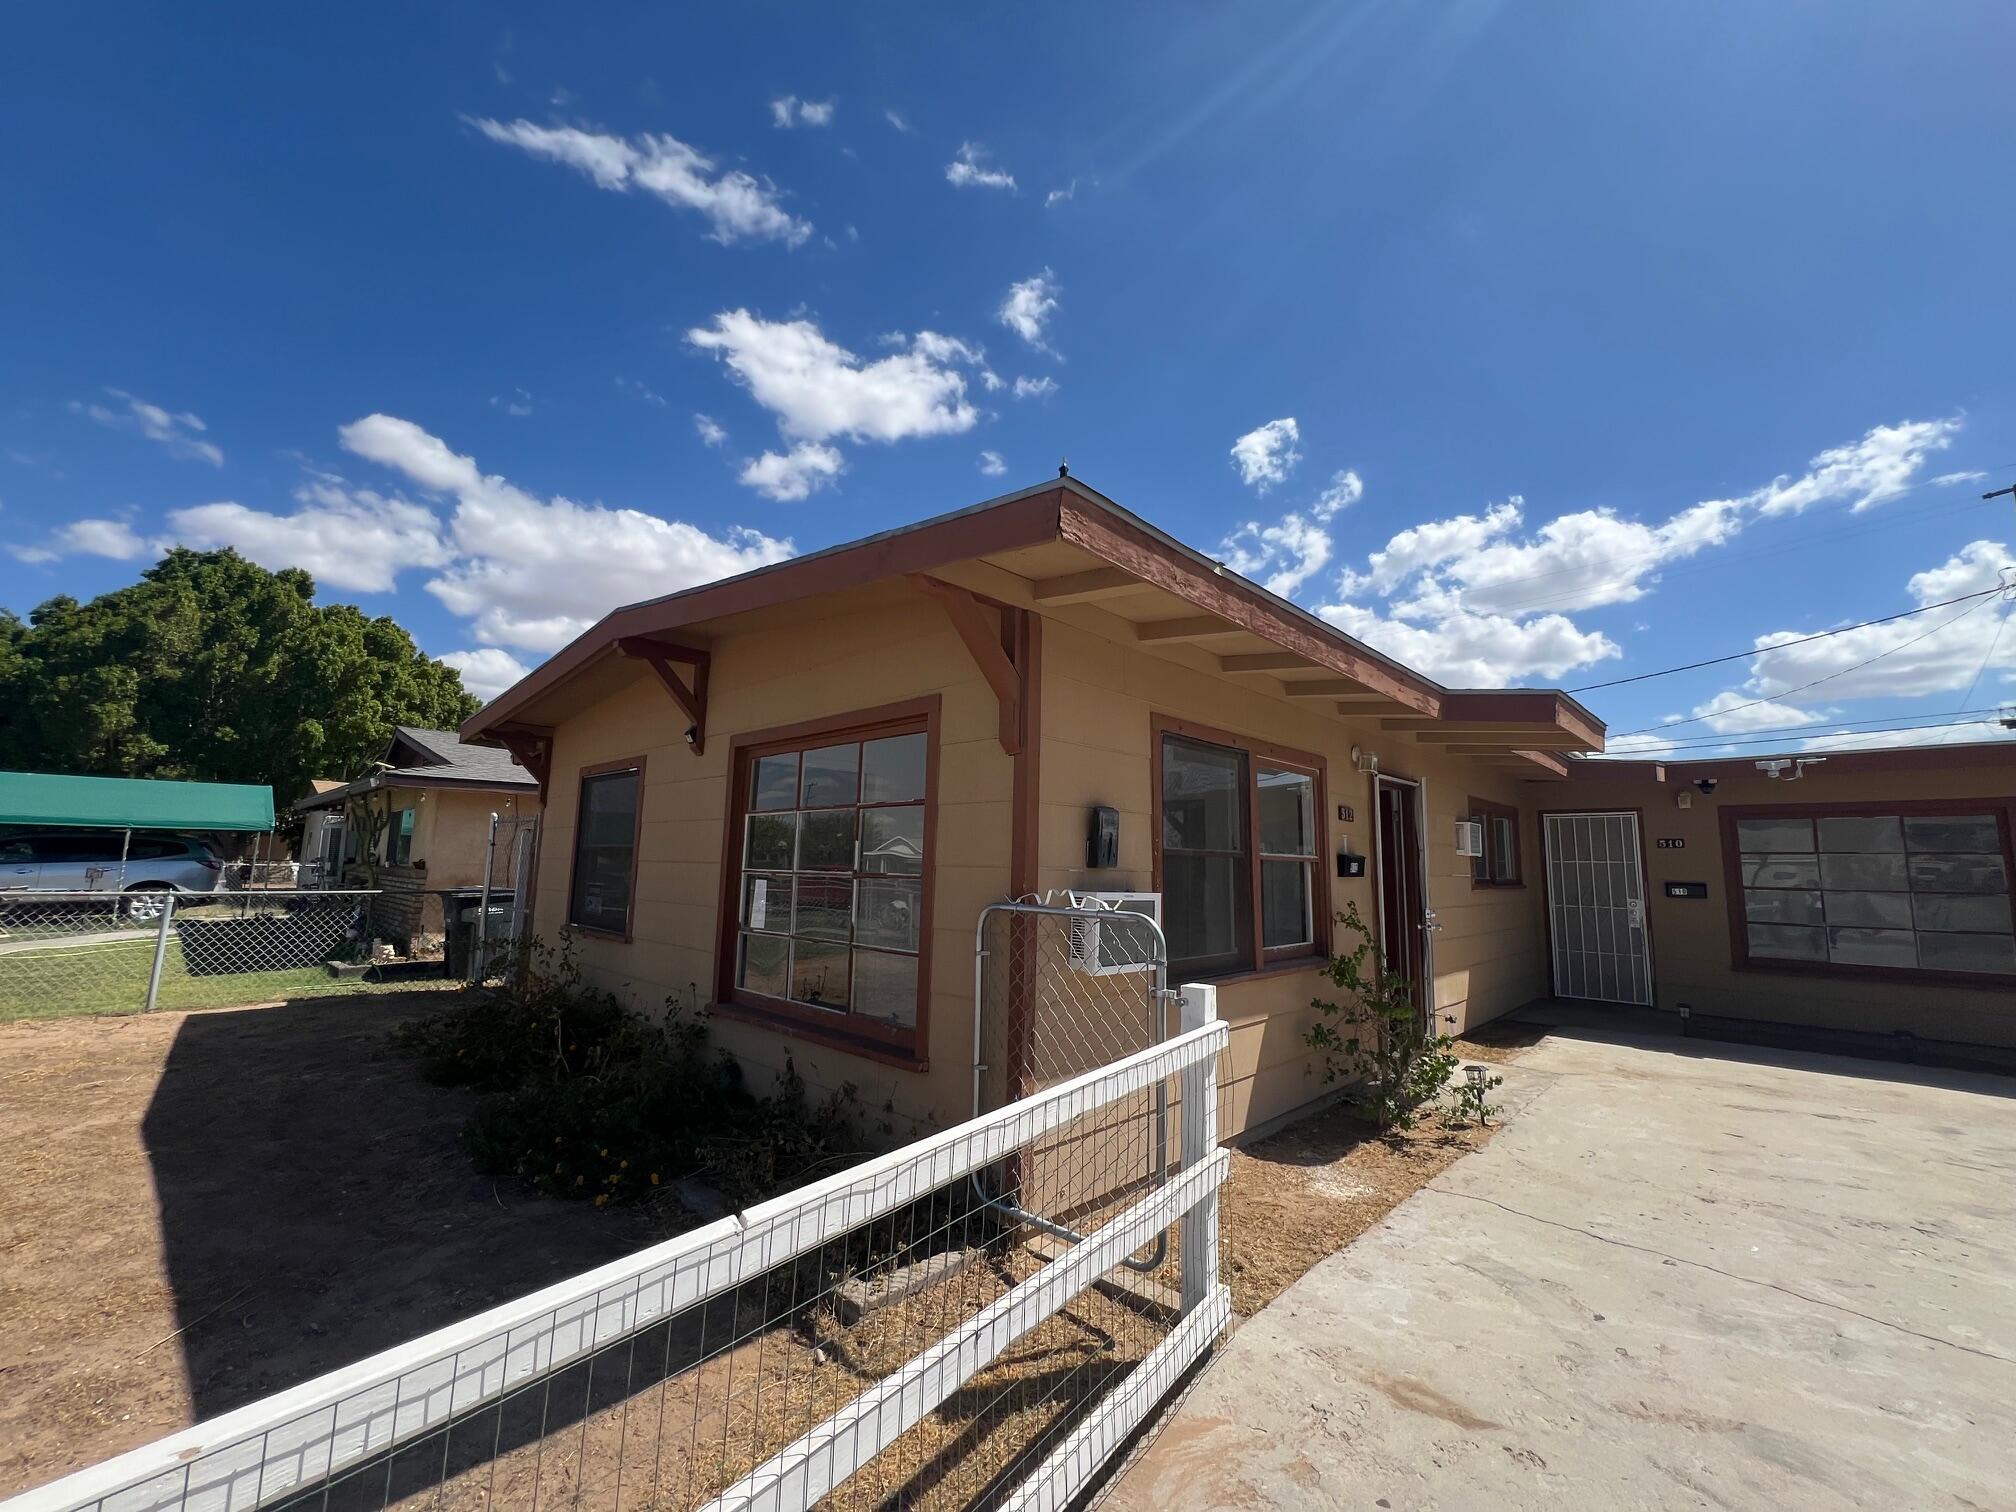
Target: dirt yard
{"type": "Point", "coordinates": [199, 1209]}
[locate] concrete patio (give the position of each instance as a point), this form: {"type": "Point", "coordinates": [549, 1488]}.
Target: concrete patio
{"type": "Point", "coordinates": [1685, 1275]}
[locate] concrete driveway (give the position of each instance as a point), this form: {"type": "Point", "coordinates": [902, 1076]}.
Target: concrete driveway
{"type": "Point", "coordinates": [1682, 1276]}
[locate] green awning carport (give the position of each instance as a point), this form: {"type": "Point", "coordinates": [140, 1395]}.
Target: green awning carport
{"type": "Point", "coordinates": [131, 803]}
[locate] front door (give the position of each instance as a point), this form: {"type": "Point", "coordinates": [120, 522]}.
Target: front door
{"type": "Point", "coordinates": [1403, 898]}
{"type": "Point", "coordinates": [1596, 908]}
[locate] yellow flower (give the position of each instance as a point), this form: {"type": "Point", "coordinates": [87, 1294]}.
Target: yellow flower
{"type": "Point", "coordinates": [654, 1178]}
{"type": "Point", "coordinates": [624, 1166]}
{"type": "Point", "coordinates": [602, 1199]}
{"type": "Point", "coordinates": [605, 1154]}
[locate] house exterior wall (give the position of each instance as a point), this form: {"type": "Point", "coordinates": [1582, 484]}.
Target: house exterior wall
{"type": "Point", "coordinates": [812, 660]}
{"type": "Point", "coordinates": [1100, 697]}
{"type": "Point", "coordinates": [451, 833]}
{"type": "Point", "coordinates": [1693, 959]}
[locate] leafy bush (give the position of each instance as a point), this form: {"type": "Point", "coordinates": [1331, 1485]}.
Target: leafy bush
{"type": "Point", "coordinates": [1385, 1042]}
{"type": "Point", "coordinates": [585, 1097]}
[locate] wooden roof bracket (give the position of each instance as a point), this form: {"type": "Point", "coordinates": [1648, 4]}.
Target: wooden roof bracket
{"type": "Point", "coordinates": [987, 641]}
{"type": "Point", "coordinates": [662, 657]}
{"type": "Point", "coordinates": [531, 748]}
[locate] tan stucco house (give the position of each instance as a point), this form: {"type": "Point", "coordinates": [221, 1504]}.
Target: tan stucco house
{"type": "Point", "coordinates": [417, 826]}
{"type": "Point", "coordinates": [898, 731]}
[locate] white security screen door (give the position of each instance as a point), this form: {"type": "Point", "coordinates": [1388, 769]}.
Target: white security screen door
{"type": "Point", "coordinates": [1596, 908]}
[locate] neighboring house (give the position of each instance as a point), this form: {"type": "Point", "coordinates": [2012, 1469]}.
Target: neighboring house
{"type": "Point", "coordinates": [899, 731]}
{"type": "Point", "coordinates": [1866, 893]}
{"type": "Point", "coordinates": [418, 826]}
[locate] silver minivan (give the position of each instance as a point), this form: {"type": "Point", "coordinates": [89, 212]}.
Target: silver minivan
{"type": "Point", "coordinates": [91, 863]}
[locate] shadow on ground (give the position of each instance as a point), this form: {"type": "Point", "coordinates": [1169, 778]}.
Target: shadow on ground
{"type": "Point", "coordinates": [315, 1206]}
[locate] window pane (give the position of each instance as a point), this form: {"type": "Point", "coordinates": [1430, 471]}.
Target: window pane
{"type": "Point", "coordinates": [832, 775]}
{"type": "Point", "coordinates": [892, 770]}
{"type": "Point", "coordinates": [825, 908]}
{"type": "Point", "coordinates": [1959, 874]}
{"type": "Point", "coordinates": [771, 841]}
{"type": "Point", "coordinates": [1881, 833]}
{"type": "Point", "coordinates": [1208, 906]}
{"type": "Point", "coordinates": [1284, 904]}
{"type": "Point", "coordinates": [885, 987]}
{"type": "Point", "coordinates": [1988, 914]}
{"type": "Point", "coordinates": [1863, 873]}
{"type": "Point", "coordinates": [602, 888]}
{"type": "Point", "coordinates": [1203, 797]}
{"type": "Point", "coordinates": [1971, 833]}
{"type": "Point", "coordinates": [1287, 813]}
{"type": "Point", "coordinates": [888, 913]}
{"type": "Point", "coordinates": [826, 840]}
{"type": "Point", "coordinates": [766, 904]}
{"type": "Point", "coordinates": [819, 973]}
{"type": "Point", "coordinates": [1774, 834]}
{"type": "Point", "coordinates": [1872, 947]}
{"type": "Point", "coordinates": [1873, 910]}
{"type": "Point", "coordinates": [608, 809]}
{"type": "Point", "coordinates": [892, 840]}
{"type": "Point", "coordinates": [1782, 906]}
{"type": "Point", "coordinates": [1781, 871]}
{"type": "Point", "coordinates": [765, 965]}
{"type": "Point", "coordinates": [774, 783]}
{"type": "Point", "coordinates": [1787, 942]}
{"type": "Point", "coordinates": [1504, 850]}
{"type": "Point", "coordinates": [1968, 952]}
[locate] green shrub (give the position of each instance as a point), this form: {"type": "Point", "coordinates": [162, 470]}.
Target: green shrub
{"type": "Point", "coordinates": [585, 1097]}
{"type": "Point", "coordinates": [1379, 1037]}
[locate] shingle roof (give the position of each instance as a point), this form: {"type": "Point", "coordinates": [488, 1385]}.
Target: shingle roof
{"type": "Point", "coordinates": [459, 761]}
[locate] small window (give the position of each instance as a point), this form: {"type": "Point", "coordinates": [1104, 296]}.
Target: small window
{"type": "Point", "coordinates": [1498, 866]}
{"type": "Point", "coordinates": [605, 849]}
{"type": "Point", "coordinates": [399, 837]}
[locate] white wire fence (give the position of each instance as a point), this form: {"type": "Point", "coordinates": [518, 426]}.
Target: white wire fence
{"type": "Point", "coordinates": [895, 1335]}
{"type": "Point", "coordinates": [67, 953]}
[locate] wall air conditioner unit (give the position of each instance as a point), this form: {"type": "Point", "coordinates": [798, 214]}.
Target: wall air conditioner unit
{"type": "Point", "coordinates": [1469, 838]}
{"type": "Point", "coordinates": [1112, 949]}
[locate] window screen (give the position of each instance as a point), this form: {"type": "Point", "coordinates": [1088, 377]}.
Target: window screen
{"type": "Point", "coordinates": [605, 849]}
{"type": "Point", "coordinates": [833, 875]}
{"type": "Point", "coordinates": [1896, 891]}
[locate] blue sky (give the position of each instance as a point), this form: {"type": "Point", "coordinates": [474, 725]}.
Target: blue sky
{"type": "Point", "coordinates": [1544, 344]}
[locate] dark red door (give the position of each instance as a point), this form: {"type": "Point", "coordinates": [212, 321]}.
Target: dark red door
{"type": "Point", "coordinates": [1401, 906]}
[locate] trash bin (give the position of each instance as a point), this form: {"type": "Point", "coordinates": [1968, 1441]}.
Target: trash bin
{"type": "Point", "coordinates": [462, 936]}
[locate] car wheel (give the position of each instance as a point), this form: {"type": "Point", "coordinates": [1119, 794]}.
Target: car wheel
{"type": "Point", "coordinates": [145, 903]}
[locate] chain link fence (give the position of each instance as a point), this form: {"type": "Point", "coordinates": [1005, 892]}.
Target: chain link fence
{"type": "Point", "coordinates": [64, 953]}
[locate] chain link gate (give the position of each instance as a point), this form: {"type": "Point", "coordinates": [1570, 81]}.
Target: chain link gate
{"type": "Point", "coordinates": [1059, 991]}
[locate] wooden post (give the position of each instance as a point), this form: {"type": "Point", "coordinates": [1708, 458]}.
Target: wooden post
{"type": "Point", "coordinates": [1197, 1230]}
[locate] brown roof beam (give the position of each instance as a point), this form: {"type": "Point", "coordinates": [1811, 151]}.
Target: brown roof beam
{"type": "Point", "coordinates": [1087, 587]}
{"type": "Point", "coordinates": [1327, 687]}
{"type": "Point", "coordinates": [1267, 661]}
{"type": "Point", "coordinates": [1545, 761]}
{"type": "Point", "coordinates": [1195, 627]}
{"type": "Point", "coordinates": [982, 637]}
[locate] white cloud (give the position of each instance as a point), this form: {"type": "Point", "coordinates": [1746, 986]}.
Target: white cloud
{"type": "Point", "coordinates": [793, 475]}
{"type": "Point", "coordinates": [1878, 467]}
{"type": "Point", "coordinates": [638, 389]}
{"type": "Point", "coordinates": [34, 556]}
{"type": "Point", "coordinates": [1730, 713]}
{"type": "Point", "coordinates": [1285, 555]}
{"type": "Point", "coordinates": [1934, 735]}
{"type": "Point", "coordinates": [1947, 480]}
{"type": "Point", "coordinates": [1266, 454]}
{"type": "Point", "coordinates": [105, 538]}
{"type": "Point", "coordinates": [736, 205]}
{"type": "Point", "coordinates": [968, 169]}
{"type": "Point", "coordinates": [900, 121]}
{"type": "Point", "coordinates": [533, 573]}
{"type": "Point", "coordinates": [992, 464]}
{"type": "Point", "coordinates": [818, 389]}
{"type": "Point", "coordinates": [1028, 307]}
{"type": "Point", "coordinates": [517, 402]}
{"type": "Point", "coordinates": [1346, 488]}
{"type": "Point", "coordinates": [487, 671]}
{"type": "Point", "coordinates": [1035, 388]}
{"type": "Point", "coordinates": [711, 431]}
{"type": "Point", "coordinates": [791, 111]}
{"type": "Point", "coordinates": [1059, 196]}
{"type": "Point", "coordinates": [1462, 649]}
{"type": "Point", "coordinates": [348, 538]}
{"type": "Point", "coordinates": [181, 434]}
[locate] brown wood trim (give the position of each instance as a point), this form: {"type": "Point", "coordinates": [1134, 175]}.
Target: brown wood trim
{"type": "Point", "coordinates": [2004, 813]}
{"type": "Point", "coordinates": [907, 1048]}
{"type": "Point", "coordinates": [1027, 805]}
{"type": "Point", "coordinates": [1542, 706]}
{"type": "Point", "coordinates": [600, 769]}
{"type": "Point", "coordinates": [1489, 808]}
{"type": "Point", "coordinates": [1262, 959]}
{"type": "Point", "coordinates": [1231, 600]}
{"type": "Point", "coordinates": [661, 656]}
{"type": "Point", "coordinates": [1016, 522]}
{"type": "Point", "coordinates": [988, 645]}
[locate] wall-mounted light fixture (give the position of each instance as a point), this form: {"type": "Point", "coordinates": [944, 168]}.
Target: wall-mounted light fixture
{"type": "Point", "coordinates": [1367, 762]}
{"type": "Point", "coordinates": [1775, 767]}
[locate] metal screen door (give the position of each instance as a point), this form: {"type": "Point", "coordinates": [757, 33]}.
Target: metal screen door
{"type": "Point", "coordinates": [1596, 908]}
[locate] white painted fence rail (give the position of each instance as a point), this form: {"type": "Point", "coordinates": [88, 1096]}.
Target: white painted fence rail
{"type": "Point", "coordinates": [274, 1450]}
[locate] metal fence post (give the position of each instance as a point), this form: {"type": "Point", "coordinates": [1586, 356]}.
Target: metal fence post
{"type": "Point", "coordinates": [1197, 1230]}
{"type": "Point", "coordinates": [477, 964]}
{"type": "Point", "coordinates": [160, 950]}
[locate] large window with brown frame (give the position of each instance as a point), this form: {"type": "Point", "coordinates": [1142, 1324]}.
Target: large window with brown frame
{"type": "Point", "coordinates": [1237, 854]}
{"type": "Point", "coordinates": [831, 862]}
{"type": "Point", "coordinates": [1908, 887]}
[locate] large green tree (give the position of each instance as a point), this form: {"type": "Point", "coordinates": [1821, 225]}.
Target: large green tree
{"type": "Point", "coordinates": [213, 668]}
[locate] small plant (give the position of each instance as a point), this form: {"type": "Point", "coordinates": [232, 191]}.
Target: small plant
{"type": "Point", "coordinates": [1472, 1098]}
{"type": "Point", "coordinates": [1378, 1037]}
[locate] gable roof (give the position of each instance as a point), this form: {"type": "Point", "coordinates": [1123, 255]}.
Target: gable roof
{"type": "Point", "coordinates": [1092, 547]}
{"type": "Point", "coordinates": [430, 758]}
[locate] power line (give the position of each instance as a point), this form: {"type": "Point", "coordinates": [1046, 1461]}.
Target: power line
{"type": "Point", "coordinates": [1980, 599]}
{"type": "Point", "coordinates": [1716, 661]}
{"type": "Point", "coordinates": [1993, 641]}
{"type": "Point", "coordinates": [1775, 740]}
{"type": "Point", "coordinates": [1812, 725]}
